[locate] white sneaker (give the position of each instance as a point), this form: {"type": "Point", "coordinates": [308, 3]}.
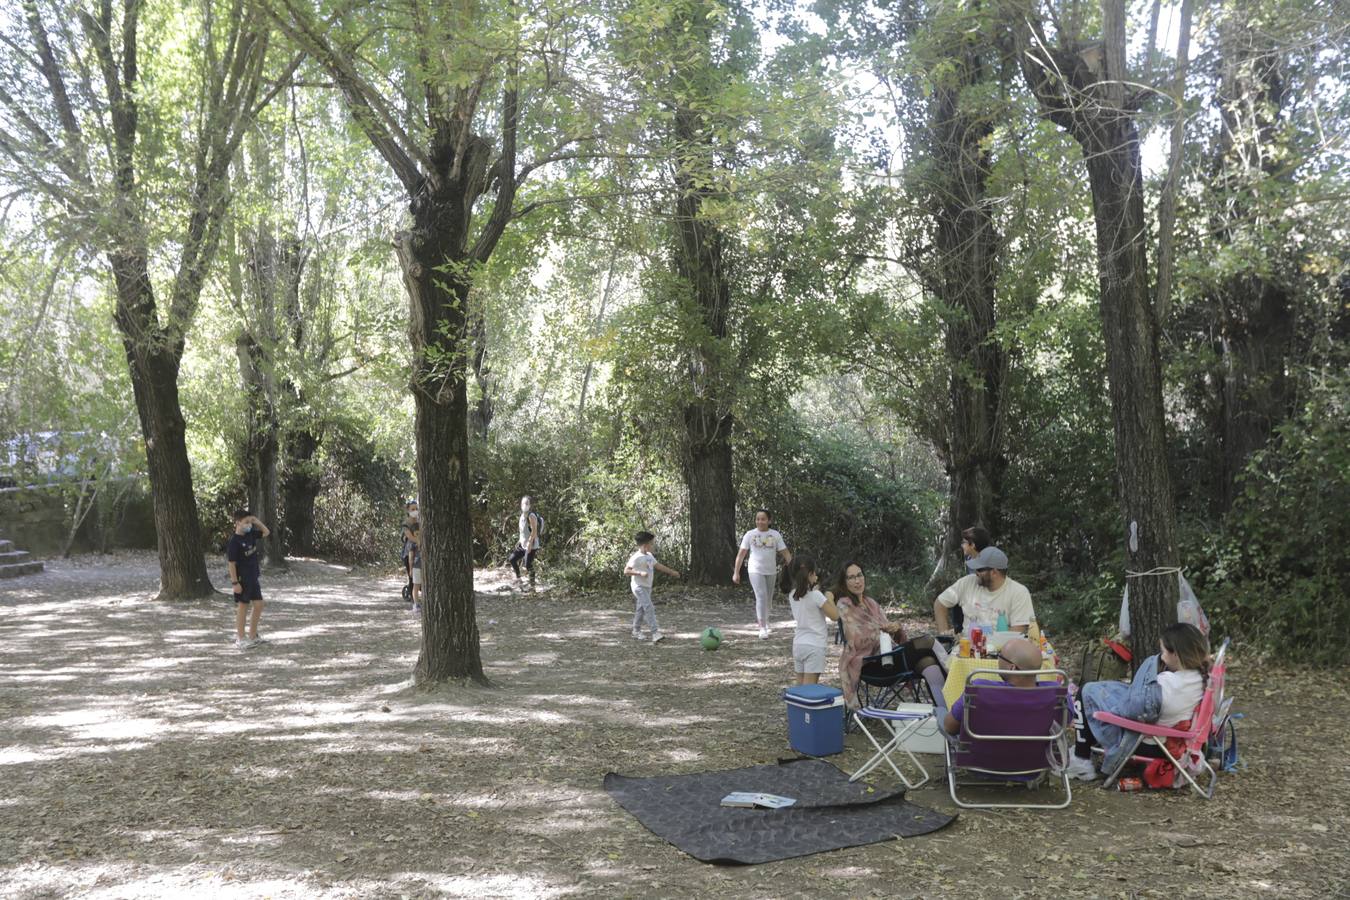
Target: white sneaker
{"type": "Point", "coordinates": [637, 635]}
{"type": "Point", "coordinates": [242, 643]}
{"type": "Point", "coordinates": [763, 632]}
{"type": "Point", "coordinates": [657, 637]}
{"type": "Point", "coordinates": [1082, 769]}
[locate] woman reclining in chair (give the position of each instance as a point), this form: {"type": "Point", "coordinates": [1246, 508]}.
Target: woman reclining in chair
{"type": "Point", "coordinates": [863, 622]}
{"type": "Point", "coordinates": [1165, 691]}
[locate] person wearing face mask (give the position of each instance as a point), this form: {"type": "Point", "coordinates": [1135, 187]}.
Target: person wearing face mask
{"type": "Point", "coordinates": [985, 594]}
{"type": "Point", "coordinates": [241, 555]}
{"type": "Point", "coordinates": [411, 525]}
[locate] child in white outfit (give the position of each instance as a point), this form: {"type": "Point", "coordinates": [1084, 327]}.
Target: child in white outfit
{"type": "Point", "coordinates": [811, 609]}
{"type": "Point", "coordinates": [641, 568]}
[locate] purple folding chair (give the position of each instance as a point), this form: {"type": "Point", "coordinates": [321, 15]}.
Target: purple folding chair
{"type": "Point", "coordinates": [1012, 735]}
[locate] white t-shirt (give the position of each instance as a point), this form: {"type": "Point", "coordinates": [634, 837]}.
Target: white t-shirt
{"type": "Point", "coordinates": [812, 627]}
{"type": "Point", "coordinates": [763, 547]}
{"type": "Point", "coordinates": [525, 531]}
{"type": "Point", "coordinates": [1181, 692]}
{"type": "Point", "coordinates": [641, 562]}
{"type": "Point", "coordinates": [982, 606]}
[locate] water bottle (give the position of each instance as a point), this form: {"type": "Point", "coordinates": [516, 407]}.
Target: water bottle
{"type": "Point", "coordinates": [1002, 622]}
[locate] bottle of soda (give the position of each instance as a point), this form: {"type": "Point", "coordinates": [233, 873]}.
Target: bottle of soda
{"type": "Point", "coordinates": [1130, 785]}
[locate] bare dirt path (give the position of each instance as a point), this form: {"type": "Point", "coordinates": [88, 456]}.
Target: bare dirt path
{"type": "Point", "coordinates": [142, 756]}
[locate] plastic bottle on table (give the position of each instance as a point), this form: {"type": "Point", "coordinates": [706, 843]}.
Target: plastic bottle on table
{"type": "Point", "coordinates": [1002, 624]}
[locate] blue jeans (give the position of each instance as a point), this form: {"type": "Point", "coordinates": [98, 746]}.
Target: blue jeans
{"type": "Point", "coordinates": [1140, 700]}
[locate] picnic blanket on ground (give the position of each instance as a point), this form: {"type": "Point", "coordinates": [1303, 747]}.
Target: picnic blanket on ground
{"type": "Point", "coordinates": [829, 814]}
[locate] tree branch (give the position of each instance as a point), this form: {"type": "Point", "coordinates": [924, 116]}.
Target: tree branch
{"type": "Point", "coordinates": [371, 113]}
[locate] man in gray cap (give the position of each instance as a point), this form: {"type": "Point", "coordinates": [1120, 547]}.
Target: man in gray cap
{"type": "Point", "coordinates": [985, 593]}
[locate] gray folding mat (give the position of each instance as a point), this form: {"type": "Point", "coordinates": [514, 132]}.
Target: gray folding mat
{"type": "Point", "coordinates": [829, 814]}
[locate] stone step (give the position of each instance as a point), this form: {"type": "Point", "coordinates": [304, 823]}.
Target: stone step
{"type": "Point", "coordinates": [8, 557]}
{"type": "Point", "coordinates": [6, 546]}
{"type": "Point", "coordinates": [14, 570]}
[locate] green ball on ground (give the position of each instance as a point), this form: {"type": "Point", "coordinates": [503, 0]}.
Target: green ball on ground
{"type": "Point", "coordinates": [711, 638]}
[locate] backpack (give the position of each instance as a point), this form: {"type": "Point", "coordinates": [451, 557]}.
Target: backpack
{"type": "Point", "coordinates": [1107, 661]}
{"type": "Point", "coordinates": [540, 534]}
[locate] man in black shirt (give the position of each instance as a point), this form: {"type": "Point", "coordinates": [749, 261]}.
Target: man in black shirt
{"type": "Point", "coordinates": [242, 557]}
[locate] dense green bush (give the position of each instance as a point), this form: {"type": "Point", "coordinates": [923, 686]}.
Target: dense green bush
{"type": "Point", "coordinates": [360, 504]}
{"type": "Point", "coordinates": [831, 501]}
{"type": "Point", "coordinates": [1276, 572]}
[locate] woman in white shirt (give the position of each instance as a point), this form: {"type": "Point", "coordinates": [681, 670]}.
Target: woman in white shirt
{"type": "Point", "coordinates": [764, 546]}
{"type": "Point", "coordinates": [1165, 690]}
{"type": "Point", "coordinates": [810, 609]}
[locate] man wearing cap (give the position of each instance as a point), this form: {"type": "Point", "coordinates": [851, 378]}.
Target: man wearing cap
{"type": "Point", "coordinates": [985, 593]}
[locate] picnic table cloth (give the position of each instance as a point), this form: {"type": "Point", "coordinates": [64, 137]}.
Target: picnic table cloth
{"type": "Point", "coordinates": [959, 667]}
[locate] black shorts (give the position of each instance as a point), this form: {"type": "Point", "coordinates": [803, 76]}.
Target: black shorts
{"type": "Point", "coordinates": [251, 589]}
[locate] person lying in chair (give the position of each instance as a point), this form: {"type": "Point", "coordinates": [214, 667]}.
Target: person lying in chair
{"type": "Point", "coordinates": [1017, 653]}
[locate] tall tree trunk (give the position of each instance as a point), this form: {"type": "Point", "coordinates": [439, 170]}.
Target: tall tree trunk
{"type": "Point", "coordinates": [261, 445]}
{"type": "Point", "coordinates": [1135, 378]}
{"type": "Point", "coordinates": [300, 486]}
{"type": "Point", "coordinates": [430, 255]}
{"type": "Point", "coordinates": [967, 247]}
{"type": "Point", "coordinates": [1253, 310]}
{"type": "Point", "coordinates": [1256, 339]}
{"type": "Point", "coordinates": [480, 416]}
{"type": "Point", "coordinates": [1092, 106]}
{"type": "Point", "coordinates": [153, 358]}
{"type": "Point", "coordinates": [712, 510]}
{"type": "Point", "coordinates": [707, 417]}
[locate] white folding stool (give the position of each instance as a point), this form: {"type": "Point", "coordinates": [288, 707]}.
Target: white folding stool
{"type": "Point", "coordinates": [908, 716]}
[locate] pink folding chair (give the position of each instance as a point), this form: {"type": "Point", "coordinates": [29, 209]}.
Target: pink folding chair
{"type": "Point", "coordinates": [1195, 738]}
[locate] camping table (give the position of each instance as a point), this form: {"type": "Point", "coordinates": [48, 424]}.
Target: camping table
{"type": "Point", "coordinates": [958, 667]}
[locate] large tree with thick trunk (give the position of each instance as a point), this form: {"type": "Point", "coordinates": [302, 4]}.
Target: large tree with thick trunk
{"type": "Point", "coordinates": [699, 259]}
{"type": "Point", "coordinates": [81, 129]}
{"type": "Point", "coordinates": [962, 272]}
{"type": "Point", "coordinates": [451, 141]}
{"type": "Point", "coordinates": [1085, 89]}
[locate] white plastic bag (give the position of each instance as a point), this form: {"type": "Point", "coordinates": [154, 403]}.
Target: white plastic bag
{"type": "Point", "coordinates": [1188, 608]}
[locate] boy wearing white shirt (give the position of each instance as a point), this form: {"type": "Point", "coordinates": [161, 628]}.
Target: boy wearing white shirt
{"type": "Point", "coordinates": [640, 569]}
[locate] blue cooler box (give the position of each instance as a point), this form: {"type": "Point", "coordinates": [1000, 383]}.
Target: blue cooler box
{"type": "Point", "coordinates": [815, 715]}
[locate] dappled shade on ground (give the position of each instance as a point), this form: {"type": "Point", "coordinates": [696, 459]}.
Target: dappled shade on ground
{"type": "Point", "coordinates": [141, 755]}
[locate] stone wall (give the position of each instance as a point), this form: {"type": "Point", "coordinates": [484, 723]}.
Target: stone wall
{"type": "Point", "coordinates": [37, 518]}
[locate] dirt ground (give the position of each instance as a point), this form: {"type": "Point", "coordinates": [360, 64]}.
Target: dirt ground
{"type": "Point", "coordinates": [143, 756]}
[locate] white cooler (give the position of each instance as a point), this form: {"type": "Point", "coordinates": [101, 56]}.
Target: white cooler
{"type": "Point", "coordinates": [926, 738]}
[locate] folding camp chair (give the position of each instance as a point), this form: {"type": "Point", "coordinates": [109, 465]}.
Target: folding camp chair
{"type": "Point", "coordinates": [1012, 735]}
{"type": "Point", "coordinates": [900, 722]}
{"type": "Point", "coordinates": [890, 678]}
{"type": "Point", "coordinates": [1194, 738]}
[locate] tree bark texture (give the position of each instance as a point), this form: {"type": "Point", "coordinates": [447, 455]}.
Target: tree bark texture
{"type": "Point", "coordinates": [299, 487]}
{"type": "Point", "coordinates": [699, 258]}
{"type": "Point", "coordinates": [432, 254]}
{"type": "Point", "coordinates": [261, 446]}
{"type": "Point", "coordinates": [480, 415]}
{"type": "Point", "coordinates": [153, 357]}
{"type": "Point", "coordinates": [1092, 106]}
{"type": "Point", "coordinates": [965, 275]}
{"type": "Point", "coordinates": [1253, 311]}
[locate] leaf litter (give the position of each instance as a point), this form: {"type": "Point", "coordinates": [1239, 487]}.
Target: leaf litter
{"type": "Point", "coordinates": [146, 757]}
